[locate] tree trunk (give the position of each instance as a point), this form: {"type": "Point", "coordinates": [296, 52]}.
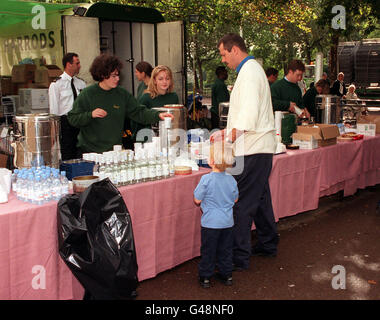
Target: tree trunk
{"type": "Point", "coordinates": [200, 73]}
{"type": "Point", "coordinates": [333, 60]}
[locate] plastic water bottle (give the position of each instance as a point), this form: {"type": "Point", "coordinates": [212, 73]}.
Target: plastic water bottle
{"type": "Point", "coordinates": [30, 188]}
{"type": "Point", "coordinates": [20, 187]}
{"type": "Point", "coordinates": [38, 191]}
{"type": "Point", "coordinates": [56, 186]}
{"type": "Point", "coordinates": [64, 183]}
{"type": "Point", "coordinates": [14, 180]}
{"type": "Point", "coordinates": [46, 186]}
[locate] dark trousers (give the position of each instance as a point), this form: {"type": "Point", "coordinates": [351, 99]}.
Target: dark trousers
{"type": "Point", "coordinates": [214, 120]}
{"type": "Point", "coordinates": [216, 251]}
{"type": "Point", "coordinates": [68, 140]}
{"type": "Point", "coordinates": [255, 204]}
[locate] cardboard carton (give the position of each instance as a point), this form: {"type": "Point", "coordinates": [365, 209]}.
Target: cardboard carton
{"type": "Point", "coordinates": [371, 119]}
{"type": "Point", "coordinates": [46, 74]}
{"type": "Point", "coordinates": [325, 134]}
{"type": "Point", "coordinates": [23, 73]}
{"type": "Point", "coordinates": [7, 86]}
{"type": "Point", "coordinates": [304, 140]}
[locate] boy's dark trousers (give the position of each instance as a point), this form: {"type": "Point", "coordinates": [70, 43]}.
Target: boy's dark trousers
{"type": "Point", "coordinates": [216, 251]}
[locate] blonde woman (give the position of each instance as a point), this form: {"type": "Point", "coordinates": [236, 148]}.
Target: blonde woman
{"type": "Point", "coordinates": [160, 89]}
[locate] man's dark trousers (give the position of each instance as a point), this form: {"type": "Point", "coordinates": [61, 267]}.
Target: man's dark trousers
{"type": "Point", "coordinates": [68, 140]}
{"type": "Point", "coordinates": [254, 204]}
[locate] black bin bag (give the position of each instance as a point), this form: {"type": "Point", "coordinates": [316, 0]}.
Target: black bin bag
{"type": "Point", "coordinates": [96, 242]}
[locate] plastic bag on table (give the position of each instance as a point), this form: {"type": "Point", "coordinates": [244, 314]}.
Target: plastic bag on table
{"type": "Point", "coordinates": [96, 241]}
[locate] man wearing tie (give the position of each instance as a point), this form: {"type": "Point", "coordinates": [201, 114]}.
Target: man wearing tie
{"type": "Point", "coordinates": [62, 93]}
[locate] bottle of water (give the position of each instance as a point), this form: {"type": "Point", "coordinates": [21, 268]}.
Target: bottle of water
{"type": "Point", "coordinates": [64, 183]}
{"type": "Point", "coordinates": [46, 186]}
{"type": "Point", "coordinates": [21, 187]}
{"type": "Point", "coordinates": [56, 187]}
{"type": "Point", "coordinates": [38, 191]}
{"type": "Point", "coordinates": [171, 160]}
{"type": "Point", "coordinates": [144, 166]}
{"type": "Point", "coordinates": [29, 194]}
{"type": "Point", "coordinates": [14, 180]}
{"type": "Point", "coordinates": [138, 176]}
{"type": "Point", "coordinates": [102, 167]}
{"type": "Point", "coordinates": [116, 169]}
{"type": "Point", "coordinates": [130, 169]}
{"type": "Point", "coordinates": [123, 168]}
{"type": "Point", "coordinates": [151, 164]}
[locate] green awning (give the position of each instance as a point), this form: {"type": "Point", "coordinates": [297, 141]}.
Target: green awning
{"type": "Point", "coordinates": [119, 12]}
{"type": "Point", "coordinates": [16, 11]}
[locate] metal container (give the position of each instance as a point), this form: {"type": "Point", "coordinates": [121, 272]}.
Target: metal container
{"type": "Point", "coordinates": [328, 108]}
{"type": "Point", "coordinates": [176, 135]}
{"type": "Point", "coordinates": [81, 183]}
{"type": "Point", "coordinates": [36, 140]}
{"type": "Point", "coordinates": [223, 114]}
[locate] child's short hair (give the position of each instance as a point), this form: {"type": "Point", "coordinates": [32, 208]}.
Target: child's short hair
{"type": "Point", "coordinates": [222, 154]}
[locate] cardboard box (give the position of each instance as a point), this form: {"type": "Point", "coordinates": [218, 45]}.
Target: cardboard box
{"type": "Point", "coordinates": [304, 141]}
{"type": "Point", "coordinates": [371, 119]}
{"type": "Point", "coordinates": [23, 73]}
{"type": "Point", "coordinates": [46, 74]}
{"type": "Point", "coordinates": [32, 98]}
{"type": "Point", "coordinates": [325, 134]}
{"type": "Point", "coordinates": [8, 88]}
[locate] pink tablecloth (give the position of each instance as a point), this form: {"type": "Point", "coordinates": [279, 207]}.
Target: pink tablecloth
{"type": "Point", "coordinates": [166, 223]}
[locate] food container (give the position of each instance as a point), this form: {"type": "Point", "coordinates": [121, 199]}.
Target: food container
{"type": "Point", "coordinates": [182, 170]}
{"type": "Point", "coordinates": [81, 183]}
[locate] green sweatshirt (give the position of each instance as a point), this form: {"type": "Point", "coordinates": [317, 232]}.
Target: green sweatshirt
{"type": "Point", "coordinates": [140, 89]}
{"type": "Point", "coordinates": [283, 92]}
{"type": "Point", "coordinates": [219, 93]}
{"type": "Point", "coordinates": [159, 101]}
{"type": "Point", "coordinates": [101, 134]}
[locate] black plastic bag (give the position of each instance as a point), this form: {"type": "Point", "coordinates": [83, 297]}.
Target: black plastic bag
{"type": "Point", "coordinates": [96, 241]}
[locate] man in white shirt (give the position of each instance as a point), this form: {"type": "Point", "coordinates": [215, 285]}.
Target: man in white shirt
{"type": "Point", "coordinates": [250, 127]}
{"type": "Point", "coordinates": [62, 93]}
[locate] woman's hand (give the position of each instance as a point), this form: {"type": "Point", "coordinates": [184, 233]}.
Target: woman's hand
{"type": "Point", "coordinates": [99, 113]}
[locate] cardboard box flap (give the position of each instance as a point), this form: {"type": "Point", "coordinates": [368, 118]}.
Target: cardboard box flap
{"type": "Point", "coordinates": [329, 131]}
{"type": "Point", "coordinates": [313, 130]}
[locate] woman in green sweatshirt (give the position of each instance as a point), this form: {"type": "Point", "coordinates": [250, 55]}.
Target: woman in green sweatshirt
{"type": "Point", "coordinates": [100, 110]}
{"type": "Point", "coordinates": [159, 93]}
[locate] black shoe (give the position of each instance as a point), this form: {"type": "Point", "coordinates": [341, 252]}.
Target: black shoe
{"type": "Point", "coordinates": [257, 252]}
{"type": "Point", "coordinates": [204, 282]}
{"type": "Point", "coordinates": [226, 280]}
{"type": "Point", "coordinates": [238, 268]}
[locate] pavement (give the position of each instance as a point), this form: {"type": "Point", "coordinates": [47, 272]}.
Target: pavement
{"type": "Point", "coordinates": [331, 253]}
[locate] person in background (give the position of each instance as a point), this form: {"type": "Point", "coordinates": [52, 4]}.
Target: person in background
{"type": "Point", "coordinates": [351, 95]}
{"type": "Point", "coordinates": [326, 77]}
{"type": "Point", "coordinates": [143, 72]}
{"type": "Point", "coordinates": [272, 75]}
{"type": "Point", "coordinates": [250, 127]}
{"type": "Point", "coordinates": [339, 88]}
{"type": "Point", "coordinates": [100, 110]}
{"type": "Point", "coordinates": [286, 94]}
{"type": "Point", "coordinates": [219, 93]}
{"type": "Point", "coordinates": [62, 93]}
{"type": "Point", "coordinates": [216, 193]}
{"type": "Point", "coordinates": [159, 93]}
{"type": "Point", "coordinates": [321, 87]}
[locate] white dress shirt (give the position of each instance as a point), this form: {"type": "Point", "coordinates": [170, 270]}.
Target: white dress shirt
{"type": "Point", "coordinates": [61, 98]}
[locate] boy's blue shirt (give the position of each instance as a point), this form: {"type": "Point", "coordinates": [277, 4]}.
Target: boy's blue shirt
{"type": "Point", "coordinates": [218, 192]}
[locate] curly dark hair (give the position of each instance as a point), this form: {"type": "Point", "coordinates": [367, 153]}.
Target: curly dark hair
{"type": "Point", "coordinates": [103, 65]}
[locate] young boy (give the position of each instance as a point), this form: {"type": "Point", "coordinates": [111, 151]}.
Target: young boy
{"type": "Point", "coordinates": [217, 193]}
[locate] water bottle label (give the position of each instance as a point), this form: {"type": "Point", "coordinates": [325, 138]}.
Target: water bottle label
{"type": "Point", "coordinates": [144, 172]}
{"type": "Point", "coordinates": [138, 173]}
{"type": "Point", "coordinates": [131, 174]}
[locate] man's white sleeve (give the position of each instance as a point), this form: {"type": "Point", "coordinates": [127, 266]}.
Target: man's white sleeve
{"type": "Point", "coordinates": [53, 99]}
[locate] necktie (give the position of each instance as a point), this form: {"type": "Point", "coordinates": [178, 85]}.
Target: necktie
{"type": "Point", "coordinates": [73, 88]}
